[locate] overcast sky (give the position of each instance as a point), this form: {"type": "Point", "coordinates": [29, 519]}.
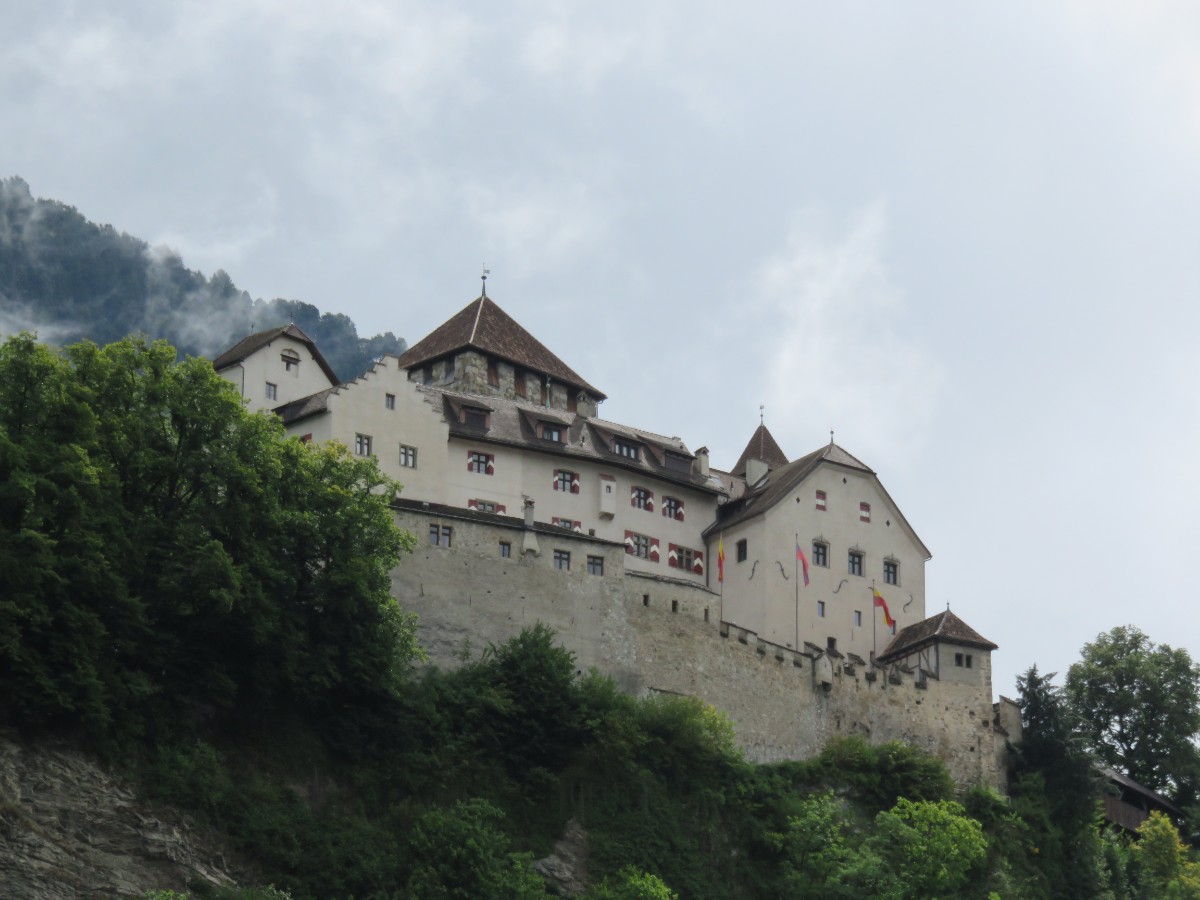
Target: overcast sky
{"type": "Point", "coordinates": [965, 236]}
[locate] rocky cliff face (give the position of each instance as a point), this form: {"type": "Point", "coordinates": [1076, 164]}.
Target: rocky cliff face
{"type": "Point", "coordinates": [68, 829]}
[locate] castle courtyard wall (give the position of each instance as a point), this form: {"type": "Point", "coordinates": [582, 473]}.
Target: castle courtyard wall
{"type": "Point", "coordinates": [660, 634]}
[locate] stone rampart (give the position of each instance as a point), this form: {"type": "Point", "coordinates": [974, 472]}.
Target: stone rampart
{"type": "Point", "coordinates": [656, 633]}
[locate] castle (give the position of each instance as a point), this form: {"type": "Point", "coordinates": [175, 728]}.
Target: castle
{"type": "Point", "coordinates": [790, 594]}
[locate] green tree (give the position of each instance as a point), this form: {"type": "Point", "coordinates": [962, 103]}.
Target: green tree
{"type": "Point", "coordinates": [1138, 707]}
{"type": "Point", "coordinates": [631, 884]}
{"type": "Point", "coordinates": [1168, 872]}
{"type": "Point", "coordinates": [462, 852]}
{"type": "Point", "coordinates": [168, 556]}
{"type": "Point", "coordinates": [930, 846]}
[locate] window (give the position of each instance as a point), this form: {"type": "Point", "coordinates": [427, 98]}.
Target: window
{"type": "Point", "coordinates": [439, 535]}
{"type": "Point", "coordinates": [864, 512]}
{"type": "Point", "coordinates": [856, 563]}
{"type": "Point", "coordinates": [519, 383]}
{"type": "Point", "coordinates": [820, 554]}
{"type": "Point", "coordinates": [625, 448]}
{"type": "Point", "coordinates": [449, 373]}
{"type": "Point", "coordinates": [562, 560]}
{"type": "Point", "coordinates": [486, 506]}
{"type": "Point", "coordinates": [820, 609]}
{"type": "Point", "coordinates": [570, 524]}
{"type": "Point", "coordinates": [672, 508]}
{"type": "Point", "coordinates": [272, 391]}
{"type": "Point", "coordinates": [474, 417]}
{"type": "Point", "coordinates": [493, 373]}
{"type": "Point", "coordinates": [505, 549]}
{"type": "Point", "coordinates": [831, 643]}
{"type": "Point", "coordinates": [858, 618]}
{"type": "Point", "coordinates": [742, 550]}
{"type": "Point", "coordinates": [640, 498]}
{"type": "Point", "coordinates": [362, 445]}
{"type": "Point", "coordinates": [681, 557]}
{"type": "Point", "coordinates": [595, 565]}
{"type": "Point", "coordinates": [820, 500]}
{"type": "Point", "coordinates": [891, 571]}
{"type": "Point", "coordinates": [481, 463]}
{"type": "Point", "coordinates": [408, 456]}
{"type": "Point", "coordinates": [551, 432]}
{"type": "Point", "coordinates": [641, 546]}
{"type": "Point", "coordinates": [566, 481]}
{"type": "Point", "coordinates": [963, 660]}
{"type": "Point", "coordinates": [389, 401]}
{"type": "Point", "coordinates": [291, 362]}
{"type": "Point", "coordinates": [428, 375]}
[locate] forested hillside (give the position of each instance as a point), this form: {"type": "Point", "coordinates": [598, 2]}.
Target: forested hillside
{"type": "Point", "coordinates": [70, 279]}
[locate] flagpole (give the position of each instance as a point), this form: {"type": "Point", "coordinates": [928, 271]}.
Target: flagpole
{"type": "Point", "coordinates": [874, 639]}
{"type": "Point", "coordinates": [796, 578]}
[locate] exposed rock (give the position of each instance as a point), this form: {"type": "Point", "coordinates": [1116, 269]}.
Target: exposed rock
{"type": "Point", "coordinates": [68, 829]}
{"type": "Point", "coordinates": [565, 869]}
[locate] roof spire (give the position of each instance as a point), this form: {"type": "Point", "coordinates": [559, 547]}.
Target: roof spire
{"type": "Point", "coordinates": [483, 278]}
{"type": "Point", "coordinates": [830, 437]}
{"type": "Point", "coordinates": [760, 414]}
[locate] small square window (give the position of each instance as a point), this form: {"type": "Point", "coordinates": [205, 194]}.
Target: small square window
{"type": "Point", "coordinates": [272, 391]}
{"type": "Point", "coordinates": [473, 417]}
{"type": "Point", "coordinates": [551, 432]}
{"type": "Point", "coordinates": [625, 448]}
{"type": "Point", "coordinates": [408, 456]}
{"type": "Point", "coordinates": [641, 498]}
{"type": "Point", "coordinates": [831, 643]}
{"type": "Point", "coordinates": [505, 549]}
{"type": "Point", "coordinates": [291, 362]}
{"type": "Point", "coordinates": [362, 445]}
{"type": "Point", "coordinates": [891, 571]}
{"type": "Point", "coordinates": [389, 401]}
{"type": "Point", "coordinates": [565, 481]}
{"type": "Point", "coordinates": [478, 462]}
{"type": "Point", "coordinates": [486, 506]}
{"type": "Point", "coordinates": [855, 563]}
{"type": "Point", "coordinates": [864, 512]}
{"type": "Point", "coordinates": [820, 500]}
{"type": "Point", "coordinates": [562, 559]}
{"type": "Point", "coordinates": [820, 554]}
{"type": "Point", "coordinates": [595, 565]}
{"type": "Point", "coordinates": [742, 550]}
{"type": "Point", "coordinates": [820, 609]}
{"type": "Point", "coordinates": [440, 535]}
{"type": "Point", "coordinates": [858, 618]}
{"type": "Point", "coordinates": [638, 545]}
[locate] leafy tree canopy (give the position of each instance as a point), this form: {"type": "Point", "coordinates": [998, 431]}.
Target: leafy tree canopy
{"type": "Point", "coordinates": [1137, 705]}
{"type": "Point", "coordinates": [167, 555]}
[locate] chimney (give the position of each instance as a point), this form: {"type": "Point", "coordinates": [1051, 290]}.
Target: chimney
{"type": "Point", "coordinates": [700, 465]}
{"type": "Point", "coordinates": [529, 512]}
{"type": "Point", "coordinates": [530, 545]}
{"type": "Point", "coordinates": [755, 469]}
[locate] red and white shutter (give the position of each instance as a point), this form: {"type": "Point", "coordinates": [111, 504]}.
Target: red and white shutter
{"type": "Point", "coordinates": [574, 483]}
{"type": "Point", "coordinates": [491, 464]}
{"type": "Point", "coordinates": [472, 503]}
{"type": "Point", "coordinates": [650, 501]}
{"type": "Point", "coordinates": [698, 562]}
{"type": "Point", "coordinates": [629, 547]}
{"type": "Point", "coordinates": [653, 549]}
{"type": "Point", "coordinates": [679, 511]}
{"type": "Point", "coordinates": [673, 556]}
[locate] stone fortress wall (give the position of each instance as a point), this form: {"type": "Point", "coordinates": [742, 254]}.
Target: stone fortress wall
{"type": "Point", "coordinates": [661, 634]}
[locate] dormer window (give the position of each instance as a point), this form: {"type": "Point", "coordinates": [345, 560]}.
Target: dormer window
{"type": "Point", "coordinates": [626, 448]}
{"type": "Point", "coordinates": [551, 431]}
{"type": "Point", "coordinates": [679, 463]}
{"type": "Point", "coordinates": [474, 417]}
{"type": "Point", "coordinates": [291, 361]}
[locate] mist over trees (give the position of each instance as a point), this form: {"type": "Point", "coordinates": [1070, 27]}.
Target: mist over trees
{"type": "Point", "coordinates": [70, 279]}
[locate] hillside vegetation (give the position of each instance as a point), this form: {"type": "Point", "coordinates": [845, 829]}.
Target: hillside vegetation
{"type": "Point", "coordinates": [192, 594]}
{"type": "Point", "coordinates": [70, 279]}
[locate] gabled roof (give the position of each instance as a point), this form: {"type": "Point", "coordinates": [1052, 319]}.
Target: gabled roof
{"type": "Point", "coordinates": [482, 325]}
{"type": "Point", "coordinates": [779, 483]}
{"type": "Point", "coordinates": [304, 407]}
{"type": "Point", "coordinates": [762, 446]}
{"type": "Point", "coordinates": [945, 626]}
{"type": "Point", "coordinates": [255, 342]}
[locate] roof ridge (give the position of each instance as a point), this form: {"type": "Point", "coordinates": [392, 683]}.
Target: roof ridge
{"type": "Point", "coordinates": [478, 315]}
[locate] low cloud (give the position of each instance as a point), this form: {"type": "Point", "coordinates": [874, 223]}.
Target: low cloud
{"type": "Point", "coordinates": [836, 353]}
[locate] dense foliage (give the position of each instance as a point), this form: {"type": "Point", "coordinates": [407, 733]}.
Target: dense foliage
{"type": "Point", "coordinates": [70, 279]}
{"type": "Point", "coordinates": [1137, 706]}
{"type": "Point", "coordinates": [170, 559]}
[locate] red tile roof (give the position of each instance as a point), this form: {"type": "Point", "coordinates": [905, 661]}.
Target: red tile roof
{"type": "Point", "coordinates": [484, 326]}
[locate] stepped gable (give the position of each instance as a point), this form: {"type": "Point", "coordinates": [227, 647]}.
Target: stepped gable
{"type": "Point", "coordinates": [763, 447]}
{"type": "Point", "coordinates": [484, 326]}
{"type": "Point", "coordinates": [248, 345]}
{"type": "Point", "coordinates": [945, 626]}
{"type": "Point", "coordinates": [779, 483]}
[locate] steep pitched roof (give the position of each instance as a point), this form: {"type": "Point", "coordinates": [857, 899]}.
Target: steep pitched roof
{"type": "Point", "coordinates": [779, 483]}
{"type": "Point", "coordinates": [763, 447]}
{"type": "Point", "coordinates": [945, 626]}
{"type": "Point", "coordinates": [255, 342]}
{"type": "Point", "coordinates": [482, 325]}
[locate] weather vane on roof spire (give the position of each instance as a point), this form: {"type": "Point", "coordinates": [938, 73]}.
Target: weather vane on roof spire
{"type": "Point", "coordinates": [830, 437]}
{"type": "Point", "coordinates": [486, 273]}
{"type": "Point", "coordinates": [760, 413]}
